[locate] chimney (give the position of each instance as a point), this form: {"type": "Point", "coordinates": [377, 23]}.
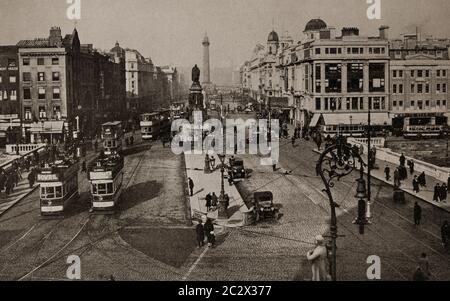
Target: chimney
{"type": "Point", "coordinates": [55, 39]}
{"type": "Point", "coordinates": [384, 32]}
{"type": "Point", "coordinates": [332, 32]}
{"type": "Point", "coordinates": [350, 31]}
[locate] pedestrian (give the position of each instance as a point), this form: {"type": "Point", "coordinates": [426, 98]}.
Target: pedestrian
{"type": "Point", "coordinates": [227, 201]}
{"type": "Point", "coordinates": [2, 180]}
{"type": "Point", "coordinates": [207, 168]}
{"type": "Point", "coordinates": [361, 150]}
{"type": "Point", "coordinates": [424, 265]}
{"type": "Point", "coordinates": [411, 166]}
{"type": "Point", "coordinates": [402, 160]}
{"type": "Point", "coordinates": [417, 214]}
{"type": "Point", "coordinates": [436, 194]}
{"type": "Point", "coordinates": [200, 231]}
{"type": "Point", "coordinates": [83, 167]}
{"type": "Point", "coordinates": [214, 200]}
{"type": "Point", "coordinates": [422, 180]}
{"type": "Point", "coordinates": [387, 172]}
{"type": "Point", "coordinates": [31, 178]}
{"type": "Point", "coordinates": [209, 232]}
{"type": "Point", "coordinates": [397, 182]}
{"type": "Point", "coordinates": [208, 199]}
{"type": "Point", "coordinates": [191, 187]}
{"type": "Point", "coordinates": [444, 193]}
{"type": "Point", "coordinates": [318, 258]}
{"type": "Point", "coordinates": [293, 140]}
{"type": "Point", "coordinates": [131, 140]}
{"type": "Point", "coordinates": [445, 234]}
{"type": "Point", "coordinates": [415, 184]}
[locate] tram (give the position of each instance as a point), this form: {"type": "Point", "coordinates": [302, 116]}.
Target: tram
{"type": "Point", "coordinates": [165, 122]}
{"type": "Point", "coordinates": [423, 131]}
{"type": "Point", "coordinates": [150, 126]}
{"type": "Point", "coordinates": [106, 178]}
{"type": "Point", "coordinates": [58, 186]}
{"type": "Point", "coordinates": [112, 134]}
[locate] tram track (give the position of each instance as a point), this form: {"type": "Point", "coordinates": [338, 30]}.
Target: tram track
{"type": "Point", "coordinates": [391, 262]}
{"type": "Point", "coordinates": [57, 255]}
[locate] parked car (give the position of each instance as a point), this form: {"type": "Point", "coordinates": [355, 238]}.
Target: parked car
{"type": "Point", "coordinates": [238, 169]}
{"type": "Point", "coordinates": [263, 206]}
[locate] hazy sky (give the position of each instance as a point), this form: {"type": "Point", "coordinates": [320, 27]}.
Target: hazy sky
{"type": "Point", "coordinates": [171, 31]}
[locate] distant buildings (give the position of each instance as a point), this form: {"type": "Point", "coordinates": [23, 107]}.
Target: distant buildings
{"type": "Point", "coordinates": [52, 87]}
{"type": "Point", "coordinates": [332, 80]}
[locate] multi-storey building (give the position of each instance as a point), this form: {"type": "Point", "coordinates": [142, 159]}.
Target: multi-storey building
{"type": "Point", "coordinates": [419, 82]}
{"type": "Point", "coordinates": [9, 95]}
{"type": "Point", "coordinates": [63, 85]}
{"type": "Point", "coordinates": [173, 83]}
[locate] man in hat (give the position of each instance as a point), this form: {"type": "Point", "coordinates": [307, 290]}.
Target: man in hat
{"type": "Point", "coordinates": [318, 258]}
{"type": "Point", "coordinates": [200, 231]}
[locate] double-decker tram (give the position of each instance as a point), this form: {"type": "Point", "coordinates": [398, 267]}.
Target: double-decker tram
{"type": "Point", "coordinates": [58, 186]}
{"type": "Point", "coordinates": [112, 134]}
{"type": "Point", "coordinates": [150, 126]}
{"type": "Point", "coordinates": [106, 177]}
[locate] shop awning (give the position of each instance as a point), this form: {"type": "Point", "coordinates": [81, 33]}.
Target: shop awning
{"type": "Point", "coordinates": [48, 127]}
{"type": "Point", "coordinates": [314, 120]}
{"type": "Point", "coordinates": [357, 119]}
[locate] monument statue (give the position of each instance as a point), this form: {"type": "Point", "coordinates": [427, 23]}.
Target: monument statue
{"type": "Point", "coordinates": [196, 74]}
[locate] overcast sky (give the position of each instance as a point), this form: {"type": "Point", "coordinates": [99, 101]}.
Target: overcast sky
{"type": "Point", "coordinates": [171, 31]}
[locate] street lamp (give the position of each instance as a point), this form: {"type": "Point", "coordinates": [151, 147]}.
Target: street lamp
{"type": "Point", "coordinates": [222, 202]}
{"type": "Point", "coordinates": [336, 162]}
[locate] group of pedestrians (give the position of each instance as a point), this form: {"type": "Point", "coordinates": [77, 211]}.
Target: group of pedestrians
{"type": "Point", "coordinates": [205, 230]}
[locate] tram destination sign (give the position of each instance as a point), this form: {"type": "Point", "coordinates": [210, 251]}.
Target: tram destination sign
{"type": "Point", "coordinates": [100, 175]}
{"type": "Point", "coordinates": [47, 178]}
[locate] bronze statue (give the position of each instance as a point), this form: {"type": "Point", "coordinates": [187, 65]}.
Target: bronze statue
{"type": "Point", "coordinates": [196, 74]}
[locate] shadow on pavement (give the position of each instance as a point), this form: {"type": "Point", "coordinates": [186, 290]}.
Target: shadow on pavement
{"type": "Point", "coordinates": [138, 194]}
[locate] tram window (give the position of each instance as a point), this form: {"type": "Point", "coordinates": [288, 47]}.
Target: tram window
{"type": "Point", "coordinates": [50, 192]}
{"type": "Point", "coordinates": [94, 189]}
{"type": "Point", "coordinates": [109, 188]}
{"type": "Point", "coordinates": [58, 192]}
{"type": "Point", "coordinates": [42, 190]}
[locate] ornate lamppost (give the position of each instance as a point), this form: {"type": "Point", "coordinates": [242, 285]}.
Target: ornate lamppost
{"type": "Point", "coordinates": [222, 202]}
{"type": "Point", "coordinates": [336, 162]}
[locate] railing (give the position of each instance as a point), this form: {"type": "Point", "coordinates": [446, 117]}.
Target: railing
{"type": "Point", "coordinates": [23, 155]}
{"type": "Point", "coordinates": [377, 141]}
{"type": "Point", "coordinates": [11, 149]}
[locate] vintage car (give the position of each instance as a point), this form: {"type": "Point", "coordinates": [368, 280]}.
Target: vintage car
{"type": "Point", "coordinates": [263, 206]}
{"type": "Point", "coordinates": [237, 169]}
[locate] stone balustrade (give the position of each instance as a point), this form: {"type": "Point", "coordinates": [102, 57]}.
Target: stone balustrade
{"type": "Point", "coordinates": [11, 149]}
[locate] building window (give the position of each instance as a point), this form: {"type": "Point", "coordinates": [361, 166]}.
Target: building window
{"type": "Point", "coordinates": [55, 76]}
{"type": "Point", "coordinates": [413, 104]}
{"type": "Point", "coordinates": [420, 104]}
{"type": "Point", "coordinates": [427, 73]}
{"type": "Point", "coordinates": [394, 89]}
{"type": "Point", "coordinates": [27, 93]}
{"type": "Point", "coordinates": [57, 112]}
{"type": "Point", "coordinates": [56, 93]}
{"type": "Point", "coordinates": [41, 61]}
{"type": "Point", "coordinates": [361, 103]}
{"type": "Point", "coordinates": [26, 76]}
{"type": "Point", "coordinates": [438, 103]}
{"type": "Point", "coordinates": [26, 61]}
{"type": "Point", "coordinates": [412, 73]}
{"type": "Point", "coordinates": [444, 88]}
{"type": "Point", "coordinates": [333, 78]}
{"type": "Point", "coordinates": [318, 104]}
{"type": "Point", "coordinates": [438, 88]}
{"type": "Point", "coordinates": [400, 103]}
{"type": "Point", "coordinates": [12, 63]}
{"type": "Point", "coordinates": [394, 73]}
{"type": "Point", "coordinates": [12, 79]}
{"type": "Point", "coordinates": [444, 73]}
{"type": "Point", "coordinates": [444, 103]}
{"type": "Point", "coordinates": [419, 73]}
{"type": "Point", "coordinates": [317, 50]}
{"type": "Point", "coordinates": [41, 93]}
{"type": "Point", "coordinates": [412, 88]}
{"type": "Point", "coordinates": [400, 73]}
{"type": "Point", "coordinates": [394, 103]}
{"type": "Point", "coordinates": [355, 103]}
{"type": "Point", "coordinates": [55, 61]}
{"type": "Point", "coordinates": [376, 77]}
{"type": "Point", "coordinates": [427, 88]}
{"type": "Point", "coordinates": [419, 88]}
{"type": "Point", "coordinates": [427, 103]}
{"type": "Point", "coordinates": [355, 77]}
{"type": "Point", "coordinates": [42, 112]}
{"type": "Point", "coordinates": [13, 95]}
{"type": "Point", "coordinates": [347, 104]}
{"type": "Point", "coordinates": [400, 88]}
{"type": "Point", "coordinates": [41, 76]}
{"type": "Point", "coordinates": [27, 114]}
{"type": "Point", "coordinates": [438, 73]}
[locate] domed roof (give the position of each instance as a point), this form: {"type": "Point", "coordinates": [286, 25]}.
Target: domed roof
{"type": "Point", "coordinates": [117, 49]}
{"type": "Point", "coordinates": [315, 24]}
{"type": "Point", "coordinates": [273, 37]}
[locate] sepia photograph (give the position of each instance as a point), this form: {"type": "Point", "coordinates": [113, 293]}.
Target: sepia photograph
{"type": "Point", "coordinates": [245, 141]}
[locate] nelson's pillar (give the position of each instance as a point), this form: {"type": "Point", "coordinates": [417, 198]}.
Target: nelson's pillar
{"type": "Point", "coordinates": [206, 80]}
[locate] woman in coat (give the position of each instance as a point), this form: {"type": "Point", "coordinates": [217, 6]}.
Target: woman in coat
{"type": "Point", "coordinates": [209, 232]}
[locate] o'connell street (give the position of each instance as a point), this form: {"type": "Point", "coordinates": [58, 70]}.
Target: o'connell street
{"type": "Point", "coordinates": [194, 140]}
